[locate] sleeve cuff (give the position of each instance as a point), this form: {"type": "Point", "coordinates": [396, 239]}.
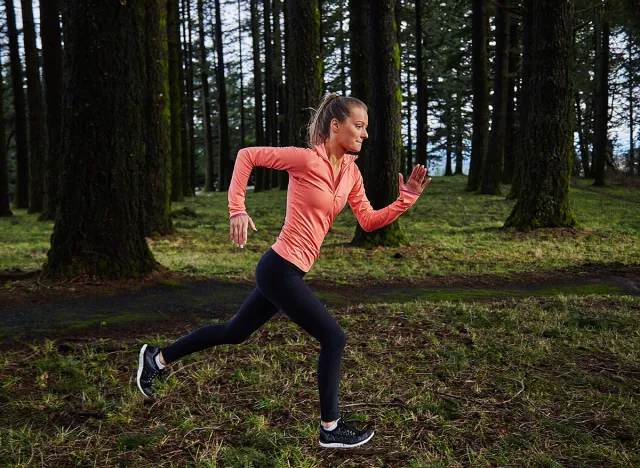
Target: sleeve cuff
{"type": "Point", "coordinates": [237, 214]}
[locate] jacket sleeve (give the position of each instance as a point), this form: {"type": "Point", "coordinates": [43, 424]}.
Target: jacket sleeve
{"type": "Point", "coordinates": [291, 159]}
{"type": "Point", "coordinates": [371, 219]}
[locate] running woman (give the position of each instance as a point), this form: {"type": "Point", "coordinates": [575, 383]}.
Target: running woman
{"type": "Point", "coordinates": [322, 180]}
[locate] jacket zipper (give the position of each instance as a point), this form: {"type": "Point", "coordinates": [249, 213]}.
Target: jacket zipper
{"type": "Point", "coordinates": [335, 192]}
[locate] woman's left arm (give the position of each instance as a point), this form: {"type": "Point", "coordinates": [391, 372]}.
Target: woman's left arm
{"type": "Point", "coordinates": [371, 219]}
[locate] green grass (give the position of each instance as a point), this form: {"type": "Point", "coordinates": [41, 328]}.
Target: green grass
{"type": "Point", "coordinates": [451, 232]}
{"type": "Point", "coordinates": [516, 382]}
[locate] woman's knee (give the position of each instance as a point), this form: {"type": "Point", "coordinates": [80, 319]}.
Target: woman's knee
{"type": "Point", "coordinates": [234, 335]}
{"type": "Point", "coordinates": [337, 339]}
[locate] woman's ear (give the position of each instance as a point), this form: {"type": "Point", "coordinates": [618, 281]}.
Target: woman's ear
{"type": "Point", "coordinates": [334, 124]}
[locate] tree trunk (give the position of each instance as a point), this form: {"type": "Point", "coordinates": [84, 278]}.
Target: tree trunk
{"type": "Point", "coordinates": [449, 124]}
{"type": "Point", "coordinates": [190, 100]}
{"type": "Point", "coordinates": [99, 230]}
{"type": "Point", "coordinates": [283, 176]}
{"type": "Point", "coordinates": [359, 56]}
{"type": "Point", "coordinates": [271, 128]}
{"type": "Point", "coordinates": [37, 127]}
{"type": "Point", "coordinates": [173, 36]}
{"type": "Point", "coordinates": [209, 185]}
{"type": "Point", "coordinates": [548, 140]}
{"type": "Point", "coordinates": [303, 66]}
{"type": "Point", "coordinates": [242, 122]}
{"type": "Point", "coordinates": [52, 76]}
{"type": "Point", "coordinates": [459, 129]}
{"type": "Point", "coordinates": [631, 158]}
{"type": "Point", "coordinates": [381, 168]}
{"type": "Point", "coordinates": [187, 185]}
{"type": "Point", "coordinates": [156, 123]}
{"type": "Point", "coordinates": [261, 172]}
{"type": "Point", "coordinates": [19, 104]}
{"type": "Point", "coordinates": [409, 153]}
{"type": "Point", "coordinates": [511, 137]}
{"type": "Point", "coordinates": [479, 60]}
{"type": "Point", "coordinates": [5, 210]}
{"type": "Point", "coordinates": [421, 98]}
{"type": "Point", "coordinates": [519, 154]}
{"type": "Point", "coordinates": [492, 167]}
{"type": "Point", "coordinates": [602, 105]}
{"type": "Point", "coordinates": [225, 152]}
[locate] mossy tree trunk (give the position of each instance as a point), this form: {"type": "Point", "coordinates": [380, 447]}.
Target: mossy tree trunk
{"type": "Point", "coordinates": [383, 164]}
{"type": "Point", "coordinates": [602, 102]}
{"type": "Point", "coordinates": [479, 66]}
{"type": "Point", "coordinates": [209, 184]}
{"type": "Point", "coordinates": [260, 172]}
{"type": "Point", "coordinates": [492, 165]}
{"type": "Point", "coordinates": [37, 127]}
{"type": "Point", "coordinates": [52, 76]}
{"type": "Point", "coordinates": [19, 105]}
{"type": "Point", "coordinates": [99, 230]}
{"type": "Point", "coordinates": [223, 114]}
{"type": "Point", "coordinates": [304, 70]}
{"type": "Point", "coordinates": [548, 140]}
{"type": "Point", "coordinates": [5, 209]}
{"type": "Point", "coordinates": [156, 126]}
{"type": "Point", "coordinates": [173, 38]}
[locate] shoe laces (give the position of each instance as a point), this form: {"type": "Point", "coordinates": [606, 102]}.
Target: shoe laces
{"type": "Point", "coordinates": [348, 427]}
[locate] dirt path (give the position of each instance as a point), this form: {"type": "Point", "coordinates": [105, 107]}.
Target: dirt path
{"type": "Point", "coordinates": [184, 302]}
{"type": "Point", "coordinates": [604, 194]}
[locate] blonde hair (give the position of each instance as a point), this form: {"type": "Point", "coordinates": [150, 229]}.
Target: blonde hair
{"type": "Point", "coordinates": [332, 106]}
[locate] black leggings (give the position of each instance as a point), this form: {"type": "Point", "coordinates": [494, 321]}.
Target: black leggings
{"type": "Point", "coordinates": [279, 287]}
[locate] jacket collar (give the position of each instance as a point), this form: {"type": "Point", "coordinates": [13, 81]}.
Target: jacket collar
{"type": "Point", "coordinates": [347, 159]}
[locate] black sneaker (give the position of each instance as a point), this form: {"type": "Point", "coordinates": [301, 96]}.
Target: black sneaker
{"type": "Point", "coordinates": [344, 436]}
{"type": "Point", "coordinates": [148, 369]}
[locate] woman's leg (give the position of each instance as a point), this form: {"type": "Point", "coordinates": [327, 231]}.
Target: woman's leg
{"type": "Point", "coordinates": [254, 312]}
{"type": "Point", "coordinates": [291, 294]}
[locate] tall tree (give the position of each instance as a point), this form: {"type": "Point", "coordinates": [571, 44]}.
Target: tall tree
{"type": "Point", "coordinates": [383, 164]}
{"type": "Point", "coordinates": [223, 112]}
{"type": "Point", "coordinates": [261, 172]}
{"type": "Point", "coordinates": [173, 37]}
{"type": "Point", "coordinates": [513, 80]}
{"type": "Point", "coordinates": [630, 84]}
{"type": "Point", "coordinates": [99, 230]}
{"type": "Point", "coordinates": [543, 200]}
{"type": "Point", "coordinates": [278, 85]}
{"type": "Point", "coordinates": [602, 101]}
{"type": "Point", "coordinates": [479, 141]}
{"type": "Point", "coordinates": [5, 209]}
{"type": "Point", "coordinates": [156, 122]}
{"type": "Point", "coordinates": [52, 76]}
{"type": "Point", "coordinates": [303, 66]}
{"type": "Point", "coordinates": [271, 127]}
{"type": "Point", "coordinates": [190, 100]}
{"type": "Point", "coordinates": [187, 185]}
{"type": "Point", "coordinates": [19, 105]}
{"type": "Point", "coordinates": [37, 128]}
{"type": "Point", "coordinates": [209, 185]}
{"type": "Point", "coordinates": [421, 97]}
{"type": "Point", "coordinates": [359, 56]}
{"type": "Point", "coordinates": [492, 165]}
{"type": "Point", "coordinates": [242, 124]}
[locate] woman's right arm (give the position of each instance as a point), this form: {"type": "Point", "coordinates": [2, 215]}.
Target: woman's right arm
{"type": "Point", "coordinates": [289, 159]}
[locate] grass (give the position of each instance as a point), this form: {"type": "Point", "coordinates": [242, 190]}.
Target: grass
{"type": "Point", "coordinates": [518, 382]}
{"type": "Point", "coordinates": [452, 232]}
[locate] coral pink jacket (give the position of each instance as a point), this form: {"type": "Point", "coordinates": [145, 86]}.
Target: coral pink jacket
{"type": "Point", "coordinates": [312, 204]}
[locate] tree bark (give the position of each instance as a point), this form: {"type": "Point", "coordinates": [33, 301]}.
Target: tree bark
{"type": "Point", "coordinates": [19, 104]}
{"type": "Point", "coordinates": [582, 141]}
{"type": "Point", "coordinates": [459, 129]}
{"type": "Point", "coordinates": [304, 68]}
{"type": "Point", "coordinates": [631, 158]}
{"type": "Point", "coordinates": [37, 127]}
{"type": "Point", "coordinates": [492, 167]}
{"type": "Point", "coordinates": [283, 176]}
{"type": "Point", "coordinates": [99, 230]}
{"type": "Point", "coordinates": [190, 100]}
{"type": "Point", "coordinates": [5, 209]}
{"type": "Point", "coordinates": [156, 123]}
{"type": "Point", "coordinates": [52, 76]}
{"type": "Point", "coordinates": [223, 118]}
{"type": "Point", "coordinates": [511, 138]}
{"type": "Point", "coordinates": [209, 185]}
{"type": "Point", "coordinates": [271, 128]}
{"type": "Point", "coordinates": [602, 105]}
{"type": "Point", "coordinates": [382, 166]}
{"type": "Point", "coordinates": [547, 140]}
{"type": "Point", "coordinates": [173, 36]}
{"type": "Point", "coordinates": [242, 119]}
{"type": "Point", "coordinates": [479, 59]}
{"type": "Point", "coordinates": [409, 153]}
{"type": "Point", "coordinates": [261, 172]}
{"type": "Point", "coordinates": [187, 185]}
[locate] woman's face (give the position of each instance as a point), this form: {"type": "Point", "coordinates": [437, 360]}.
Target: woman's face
{"type": "Point", "coordinates": [353, 131]}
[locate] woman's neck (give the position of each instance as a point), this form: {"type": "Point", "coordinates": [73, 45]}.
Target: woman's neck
{"type": "Point", "coordinates": [334, 151]}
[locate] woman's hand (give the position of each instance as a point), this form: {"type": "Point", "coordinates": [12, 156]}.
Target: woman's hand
{"type": "Point", "coordinates": [414, 184]}
{"type": "Point", "coordinates": [239, 228]}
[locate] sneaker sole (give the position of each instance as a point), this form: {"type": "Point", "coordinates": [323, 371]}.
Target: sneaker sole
{"type": "Point", "coordinates": [140, 365]}
{"type": "Point", "coordinates": [339, 445]}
